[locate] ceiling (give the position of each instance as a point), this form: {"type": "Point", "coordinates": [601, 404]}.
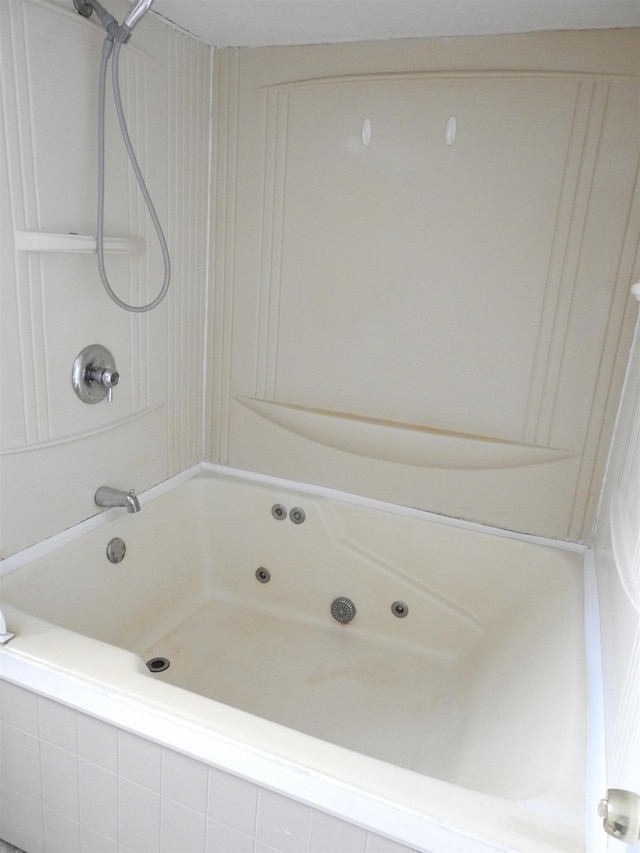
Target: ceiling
{"type": "Point", "coordinates": [254, 23]}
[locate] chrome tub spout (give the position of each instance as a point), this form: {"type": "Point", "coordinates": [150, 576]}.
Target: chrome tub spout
{"type": "Point", "coordinates": [106, 496]}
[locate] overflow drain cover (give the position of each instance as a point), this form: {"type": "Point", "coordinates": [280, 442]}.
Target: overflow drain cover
{"type": "Point", "coordinates": [158, 664]}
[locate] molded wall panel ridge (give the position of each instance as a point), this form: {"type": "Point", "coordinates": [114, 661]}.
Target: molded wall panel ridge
{"type": "Point", "coordinates": [426, 268]}
{"type": "Point", "coordinates": [55, 450]}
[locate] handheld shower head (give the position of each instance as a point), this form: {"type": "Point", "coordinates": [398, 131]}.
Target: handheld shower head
{"type": "Point", "coordinates": [135, 13]}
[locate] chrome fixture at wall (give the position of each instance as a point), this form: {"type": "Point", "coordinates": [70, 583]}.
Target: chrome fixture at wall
{"type": "Point", "coordinates": [116, 550]}
{"type": "Point", "coordinates": [94, 374]}
{"type": "Point", "coordinates": [109, 497]}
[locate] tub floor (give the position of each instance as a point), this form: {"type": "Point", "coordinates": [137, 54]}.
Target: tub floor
{"type": "Point", "coordinates": [383, 702]}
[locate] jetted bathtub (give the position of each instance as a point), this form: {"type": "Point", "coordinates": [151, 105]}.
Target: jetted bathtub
{"type": "Point", "coordinates": [449, 713]}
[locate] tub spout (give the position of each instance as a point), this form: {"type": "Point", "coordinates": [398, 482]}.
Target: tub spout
{"type": "Point", "coordinates": [106, 496]}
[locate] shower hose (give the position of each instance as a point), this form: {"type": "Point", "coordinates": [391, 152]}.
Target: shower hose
{"type": "Point", "coordinates": [111, 49]}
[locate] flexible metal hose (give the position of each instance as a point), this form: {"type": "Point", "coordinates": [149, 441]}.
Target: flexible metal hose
{"type": "Point", "coordinates": [113, 50]}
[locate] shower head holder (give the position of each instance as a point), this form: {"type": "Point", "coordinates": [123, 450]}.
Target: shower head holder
{"type": "Point", "coordinates": [83, 8]}
{"type": "Point", "coordinates": [116, 32]}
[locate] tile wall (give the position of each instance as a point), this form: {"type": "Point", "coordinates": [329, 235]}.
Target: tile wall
{"type": "Point", "coordinates": [69, 782]}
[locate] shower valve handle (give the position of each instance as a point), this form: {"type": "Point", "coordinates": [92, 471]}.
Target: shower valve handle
{"type": "Point", "coordinates": [94, 374]}
{"type": "Point", "coordinates": [104, 376]}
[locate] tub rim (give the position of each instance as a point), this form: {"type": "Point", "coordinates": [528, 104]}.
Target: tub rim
{"type": "Point", "coordinates": [63, 537]}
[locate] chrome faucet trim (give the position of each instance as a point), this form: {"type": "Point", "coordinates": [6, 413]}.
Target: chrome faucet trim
{"type": "Point", "coordinates": [106, 496]}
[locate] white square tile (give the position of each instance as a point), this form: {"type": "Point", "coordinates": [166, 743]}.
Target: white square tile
{"type": "Point", "coordinates": [59, 780]}
{"type": "Point", "coordinates": [58, 724]}
{"type": "Point", "coordinates": [182, 829]}
{"type": "Point", "coordinates": [233, 801]}
{"type": "Point", "coordinates": [332, 834]}
{"type": "Point", "coordinates": [22, 822]}
{"type": "Point", "coordinates": [184, 780]}
{"type": "Point", "coordinates": [226, 839]}
{"type": "Point", "coordinates": [98, 742]}
{"type": "Point", "coordinates": [93, 842]}
{"type": "Point", "coordinates": [139, 817]}
{"type": "Point", "coordinates": [20, 762]}
{"type": "Point", "coordinates": [19, 707]}
{"type": "Point", "coordinates": [378, 844]}
{"type": "Point", "coordinates": [282, 823]}
{"type": "Point", "coordinates": [140, 761]}
{"type": "Point", "coordinates": [98, 798]}
{"type": "Point", "coordinates": [61, 834]}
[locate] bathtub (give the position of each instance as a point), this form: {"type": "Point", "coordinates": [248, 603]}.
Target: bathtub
{"type": "Point", "coordinates": [448, 714]}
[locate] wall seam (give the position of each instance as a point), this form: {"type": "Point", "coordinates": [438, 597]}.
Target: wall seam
{"type": "Point", "coordinates": [208, 282]}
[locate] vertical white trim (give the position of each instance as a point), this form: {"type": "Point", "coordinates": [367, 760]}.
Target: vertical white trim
{"type": "Point", "coordinates": [209, 283]}
{"type": "Point", "coordinates": [595, 787]}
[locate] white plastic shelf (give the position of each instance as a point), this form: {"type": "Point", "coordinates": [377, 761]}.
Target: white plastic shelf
{"type": "Point", "coordinates": [42, 241]}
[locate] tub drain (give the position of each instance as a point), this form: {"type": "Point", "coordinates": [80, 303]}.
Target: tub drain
{"type": "Point", "coordinates": [158, 664]}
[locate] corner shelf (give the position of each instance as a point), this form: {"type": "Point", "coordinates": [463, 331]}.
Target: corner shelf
{"type": "Point", "coordinates": [42, 241]}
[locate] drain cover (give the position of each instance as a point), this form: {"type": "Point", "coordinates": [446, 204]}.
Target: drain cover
{"type": "Point", "coordinates": [158, 664]}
